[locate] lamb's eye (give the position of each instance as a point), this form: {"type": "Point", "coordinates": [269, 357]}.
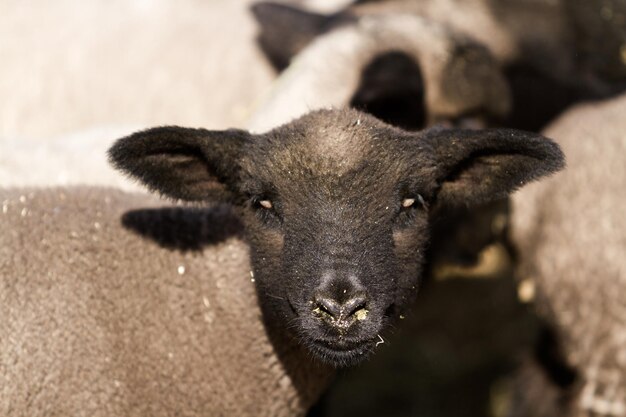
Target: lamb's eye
{"type": "Point", "coordinates": [266, 204]}
{"type": "Point", "coordinates": [266, 211]}
{"type": "Point", "coordinates": [410, 209]}
{"type": "Point", "coordinates": [263, 204]}
{"type": "Point", "coordinates": [417, 201]}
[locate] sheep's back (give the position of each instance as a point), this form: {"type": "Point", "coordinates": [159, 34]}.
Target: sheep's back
{"type": "Point", "coordinates": [113, 306]}
{"type": "Point", "coordinates": [571, 232]}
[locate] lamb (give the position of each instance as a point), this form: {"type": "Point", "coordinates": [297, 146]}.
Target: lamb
{"type": "Point", "coordinates": [570, 232]}
{"type": "Point", "coordinates": [330, 213]}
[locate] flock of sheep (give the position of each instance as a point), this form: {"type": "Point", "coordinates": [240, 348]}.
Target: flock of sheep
{"type": "Point", "coordinates": [312, 230]}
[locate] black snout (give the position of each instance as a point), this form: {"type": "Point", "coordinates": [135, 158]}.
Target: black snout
{"type": "Point", "coordinates": [340, 313]}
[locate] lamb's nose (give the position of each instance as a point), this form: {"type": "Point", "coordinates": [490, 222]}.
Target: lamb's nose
{"type": "Point", "coordinates": [340, 314]}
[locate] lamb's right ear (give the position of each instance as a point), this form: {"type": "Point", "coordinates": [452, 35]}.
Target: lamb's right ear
{"type": "Point", "coordinates": [182, 163]}
{"type": "Point", "coordinates": [477, 166]}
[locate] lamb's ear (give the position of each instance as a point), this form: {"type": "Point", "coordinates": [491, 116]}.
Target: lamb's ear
{"type": "Point", "coordinates": [475, 166]}
{"type": "Point", "coordinates": [182, 163]}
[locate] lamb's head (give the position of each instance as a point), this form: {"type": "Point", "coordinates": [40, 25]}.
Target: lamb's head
{"type": "Point", "coordinates": [336, 208]}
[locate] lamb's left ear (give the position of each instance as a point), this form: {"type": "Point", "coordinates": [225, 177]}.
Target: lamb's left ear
{"type": "Point", "coordinates": [182, 163]}
{"type": "Point", "coordinates": [473, 166]}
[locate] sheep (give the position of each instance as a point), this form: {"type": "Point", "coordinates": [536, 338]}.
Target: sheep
{"type": "Point", "coordinates": [403, 69]}
{"type": "Point", "coordinates": [570, 233]}
{"type": "Point", "coordinates": [153, 315]}
{"type": "Point", "coordinates": [75, 90]}
{"type": "Point", "coordinates": [328, 216]}
{"type": "Point", "coordinates": [546, 68]}
{"type": "Point", "coordinates": [502, 26]}
{"type": "Point", "coordinates": [78, 158]}
{"type": "Point", "coordinates": [80, 78]}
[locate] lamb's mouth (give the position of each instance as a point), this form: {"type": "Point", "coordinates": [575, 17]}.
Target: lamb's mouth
{"type": "Point", "coordinates": [341, 353]}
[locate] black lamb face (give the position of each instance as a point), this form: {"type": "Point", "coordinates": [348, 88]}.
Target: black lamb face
{"type": "Point", "coordinates": [335, 206]}
{"type": "Point", "coordinates": [337, 220]}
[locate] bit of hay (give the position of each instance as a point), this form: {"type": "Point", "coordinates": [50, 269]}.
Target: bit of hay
{"type": "Point", "coordinates": [361, 314]}
{"type": "Point", "coordinates": [526, 291]}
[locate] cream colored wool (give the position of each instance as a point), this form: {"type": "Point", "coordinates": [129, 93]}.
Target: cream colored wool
{"type": "Point", "coordinates": [571, 230]}
{"type": "Point", "coordinates": [99, 320]}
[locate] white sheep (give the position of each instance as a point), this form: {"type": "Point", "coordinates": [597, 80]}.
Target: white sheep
{"type": "Point", "coordinates": [552, 53]}
{"type": "Point", "coordinates": [113, 306]}
{"type": "Point", "coordinates": [451, 76]}
{"type": "Point", "coordinates": [571, 233]}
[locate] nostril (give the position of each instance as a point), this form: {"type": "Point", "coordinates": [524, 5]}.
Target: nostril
{"type": "Point", "coordinates": [328, 306]}
{"type": "Point", "coordinates": [354, 307]}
